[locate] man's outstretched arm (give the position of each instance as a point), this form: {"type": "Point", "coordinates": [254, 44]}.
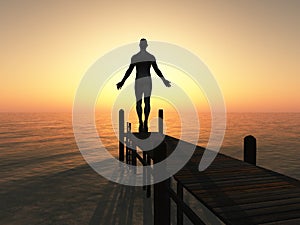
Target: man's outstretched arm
{"type": "Point", "coordinates": [159, 73]}
{"type": "Point", "coordinates": [127, 74]}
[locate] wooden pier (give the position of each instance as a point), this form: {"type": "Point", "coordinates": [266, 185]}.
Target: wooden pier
{"type": "Point", "coordinates": [237, 192]}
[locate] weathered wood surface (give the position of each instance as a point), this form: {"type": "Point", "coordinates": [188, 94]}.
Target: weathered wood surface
{"type": "Point", "coordinates": [239, 192]}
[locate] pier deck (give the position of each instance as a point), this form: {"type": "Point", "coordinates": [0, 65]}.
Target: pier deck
{"type": "Point", "coordinates": [238, 192]}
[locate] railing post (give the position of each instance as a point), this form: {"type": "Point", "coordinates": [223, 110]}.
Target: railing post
{"type": "Point", "coordinates": [160, 121]}
{"type": "Point", "coordinates": [148, 178]}
{"type": "Point", "coordinates": [250, 149]}
{"type": "Point", "coordinates": [133, 152]}
{"type": "Point", "coordinates": [161, 191]}
{"type": "Point", "coordinates": [146, 175]}
{"type": "Point", "coordinates": [179, 206]}
{"type": "Point", "coordinates": [121, 135]}
{"type": "Point", "coordinates": [144, 171]}
{"type": "Point", "coordinates": [128, 153]}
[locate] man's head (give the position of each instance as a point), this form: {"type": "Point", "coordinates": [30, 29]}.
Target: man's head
{"type": "Point", "coordinates": [143, 44]}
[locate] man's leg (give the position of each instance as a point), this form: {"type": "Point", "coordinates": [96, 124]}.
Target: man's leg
{"type": "Point", "coordinates": [139, 110]}
{"type": "Point", "coordinates": [146, 112]}
{"type": "Point", "coordinates": [147, 95]}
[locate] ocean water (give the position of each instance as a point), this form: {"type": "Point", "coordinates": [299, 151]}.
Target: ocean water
{"type": "Point", "coordinates": [35, 144]}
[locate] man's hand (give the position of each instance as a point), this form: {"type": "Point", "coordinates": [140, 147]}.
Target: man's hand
{"type": "Point", "coordinates": [167, 83]}
{"type": "Point", "coordinates": [119, 85]}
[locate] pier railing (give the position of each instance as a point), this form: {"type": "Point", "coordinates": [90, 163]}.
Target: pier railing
{"type": "Point", "coordinates": [163, 192]}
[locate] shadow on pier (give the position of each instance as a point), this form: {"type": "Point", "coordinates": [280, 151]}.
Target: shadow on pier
{"type": "Point", "coordinates": [122, 206]}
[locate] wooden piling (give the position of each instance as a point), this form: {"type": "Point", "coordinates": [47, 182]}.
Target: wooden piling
{"type": "Point", "coordinates": [148, 178]}
{"type": "Point", "coordinates": [134, 160]}
{"type": "Point", "coordinates": [144, 170]}
{"type": "Point", "coordinates": [161, 191]}
{"type": "Point", "coordinates": [160, 121]}
{"type": "Point", "coordinates": [128, 144]}
{"type": "Point", "coordinates": [250, 149]}
{"type": "Point", "coordinates": [121, 135]}
{"type": "Point", "coordinates": [179, 206]}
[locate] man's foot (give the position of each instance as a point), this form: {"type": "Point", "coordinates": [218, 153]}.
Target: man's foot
{"type": "Point", "coordinates": [145, 126]}
{"type": "Point", "coordinates": [141, 129]}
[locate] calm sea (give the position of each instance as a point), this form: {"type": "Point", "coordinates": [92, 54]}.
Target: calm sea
{"type": "Point", "coordinates": [35, 144]}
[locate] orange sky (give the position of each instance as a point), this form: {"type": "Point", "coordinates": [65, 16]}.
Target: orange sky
{"type": "Point", "coordinates": [251, 47]}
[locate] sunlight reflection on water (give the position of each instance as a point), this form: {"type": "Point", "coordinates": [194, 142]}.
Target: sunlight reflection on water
{"type": "Point", "coordinates": [42, 143]}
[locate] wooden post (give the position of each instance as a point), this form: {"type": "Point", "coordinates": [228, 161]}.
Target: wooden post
{"type": "Point", "coordinates": [250, 149]}
{"type": "Point", "coordinates": [128, 153]}
{"type": "Point", "coordinates": [121, 135]}
{"type": "Point", "coordinates": [160, 121]}
{"type": "Point", "coordinates": [161, 191]}
{"type": "Point", "coordinates": [133, 152]}
{"type": "Point", "coordinates": [146, 175]}
{"type": "Point", "coordinates": [179, 206]}
{"type": "Point", "coordinates": [144, 171]}
{"type": "Point", "coordinates": [148, 178]}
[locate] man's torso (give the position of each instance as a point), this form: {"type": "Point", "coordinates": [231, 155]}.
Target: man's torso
{"type": "Point", "coordinates": [142, 61]}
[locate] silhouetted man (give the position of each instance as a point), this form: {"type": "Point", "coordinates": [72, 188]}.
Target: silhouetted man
{"type": "Point", "coordinates": [143, 61]}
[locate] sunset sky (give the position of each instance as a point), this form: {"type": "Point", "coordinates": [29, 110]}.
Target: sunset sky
{"type": "Point", "coordinates": [251, 47]}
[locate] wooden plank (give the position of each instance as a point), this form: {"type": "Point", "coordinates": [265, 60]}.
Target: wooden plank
{"type": "Point", "coordinates": [231, 198]}
{"type": "Point", "coordinates": [233, 203]}
{"type": "Point", "coordinates": [247, 188]}
{"type": "Point", "coordinates": [252, 212]}
{"type": "Point", "coordinates": [225, 186]}
{"type": "Point", "coordinates": [220, 175]}
{"type": "Point", "coordinates": [240, 178]}
{"type": "Point", "coordinates": [262, 205]}
{"type": "Point", "coordinates": [230, 181]}
{"type": "Point", "coordinates": [284, 222]}
{"type": "Point", "coordinates": [248, 198]}
{"type": "Point", "coordinates": [229, 187]}
{"type": "Point", "coordinates": [226, 179]}
{"type": "Point", "coordinates": [261, 219]}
